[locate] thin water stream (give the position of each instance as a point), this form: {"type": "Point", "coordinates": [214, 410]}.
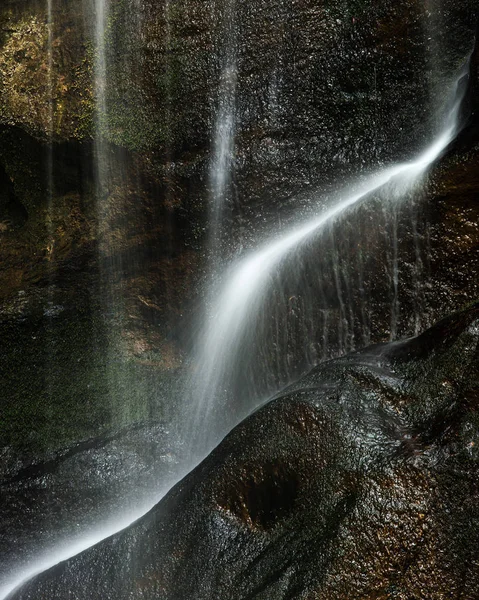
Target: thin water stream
{"type": "Point", "coordinates": [224, 134]}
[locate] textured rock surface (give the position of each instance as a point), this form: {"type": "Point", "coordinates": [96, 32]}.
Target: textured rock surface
{"type": "Point", "coordinates": [361, 481]}
{"type": "Point", "coordinates": [324, 91]}
{"type": "Point", "coordinates": [48, 507]}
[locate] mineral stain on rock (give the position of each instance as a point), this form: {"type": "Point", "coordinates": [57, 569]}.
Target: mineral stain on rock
{"type": "Point", "coordinates": [261, 495]}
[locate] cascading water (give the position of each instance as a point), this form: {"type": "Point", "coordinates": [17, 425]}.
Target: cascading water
{"type": "Point", "coordinates": [221, 164]}
{"type": "Point", "coordinates": [236, 316]}
{"type": "Point", "coordinates": [239, 303]}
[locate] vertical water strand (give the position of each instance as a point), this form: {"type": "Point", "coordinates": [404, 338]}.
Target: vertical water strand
{"type": "Point", "coordinates": [49, 216]}
{"type": "Point", "coordinates": [50, 128]}
{"type": "Point", "coordinates": [347, 271]}
{"type": "Point", "coordinates": [50, 248]}
{"type": "Point", "coordinates": [365, 323]}
{"type": "Point", "coordinates": [343, 329]}
{"type": "Point", "coordinates": [101, 115]}
{"type": "Point", "coordinates": [435, 57]}
{"type": "Point", "coordinates": [168, 86]}
{"type": "Point", "coordinates": [224, 135]}
{"type": "Point", "coordinates": [106, 253]}
{"type": "Point", "coordinates": [325, 335]}
{"type": "Point", "coordinates": [220, 174]}
{"type": "Point", "coordinates": [100, 69]}
{"type": "Point", "coordinates": [100, 130]}
{"type": "Point", "coordinates": [418, 270]}
{"type": "Point", "coordinates": [169, 136]}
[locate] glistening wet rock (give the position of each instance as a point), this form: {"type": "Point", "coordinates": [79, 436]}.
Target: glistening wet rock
{"type": "Point", "coordinates": [360, 481]}
{"type": "Point", "coordinates": [97, 484]}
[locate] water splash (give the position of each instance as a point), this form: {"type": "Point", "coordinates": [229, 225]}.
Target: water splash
{"type": "Point", "coordinates": [238, 310]}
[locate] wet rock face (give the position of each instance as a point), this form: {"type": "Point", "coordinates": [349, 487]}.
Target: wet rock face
{"type": "Point", "coordinates": [323, 91]}
{"type": "Point", "coordinates": [359, 482]}
{"type": "Point", "coordinates": [65, 344]}
{"type": "Point", "coordinates": [391, 268]}
{"type": "Point", "coordinates": [50, 502]}
{"type": "Point", "coordinates": [47, 100]}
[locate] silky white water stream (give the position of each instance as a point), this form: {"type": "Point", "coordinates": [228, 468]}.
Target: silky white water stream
{"type": "Point", "coordinates": [224, 135]}
{"type": "Point", "coordinates": [237, 307]}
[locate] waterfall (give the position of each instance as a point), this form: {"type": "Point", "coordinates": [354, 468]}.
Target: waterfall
{"type": "Point", "coordinates": [238, 310]}
{"type": "Point", "coordinates": [221, 163]}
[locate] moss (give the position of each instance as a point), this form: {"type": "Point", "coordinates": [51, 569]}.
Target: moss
{"type": "Point", "coordinates": [50, 102]}
{"type": "Point", "coordinates": [149, 74]}
{"type": "Point", "coordinates": [132, 118]}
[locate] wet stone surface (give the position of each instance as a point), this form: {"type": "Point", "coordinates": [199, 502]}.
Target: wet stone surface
{"type": "Point", "coordinates": [49, 507]}
{"type": "Point", "coordinates": [360, 481]}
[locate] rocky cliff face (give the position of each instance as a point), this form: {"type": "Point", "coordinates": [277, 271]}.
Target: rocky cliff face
{"type": "Point", "coordinates": [324, 91]}
{"type": "Point", "coordinates": [360, 481]}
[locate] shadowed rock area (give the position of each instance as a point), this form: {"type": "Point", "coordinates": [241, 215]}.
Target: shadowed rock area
{"type": "Point", "coordinates": [60, 502]}
{"type": "Point", "coordinates": [360, 481]}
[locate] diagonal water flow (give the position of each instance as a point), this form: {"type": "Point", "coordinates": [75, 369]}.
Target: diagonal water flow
{"type": "Point", "coordinates": [237, 309]}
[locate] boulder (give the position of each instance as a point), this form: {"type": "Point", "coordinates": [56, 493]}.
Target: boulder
{"type": "Point", "coordinates": [359, 481]}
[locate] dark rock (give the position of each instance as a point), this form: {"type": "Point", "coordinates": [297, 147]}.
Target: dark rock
{"type": "Point", "coordinates": [79, 491]}
{"type": "Point", "coordinates": [360, 481]}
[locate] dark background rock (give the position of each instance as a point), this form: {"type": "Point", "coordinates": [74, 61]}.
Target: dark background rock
{"type": "Point", "coordinates": [360, 481]}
